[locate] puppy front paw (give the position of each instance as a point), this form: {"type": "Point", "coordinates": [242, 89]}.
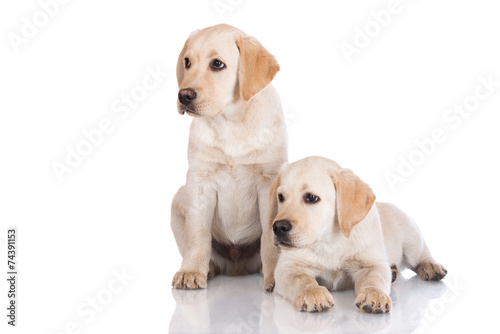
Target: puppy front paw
{"type": "Point", "coordinates": [189, 280]}
{"type": "Point", "coordinates": [372, 300]}
{"type": "Point", "coordinates": [269, 282]}
{"type": "Point", "coordinates": [431, 271]}
{"type": "Point", "coordinates": [317, 299]}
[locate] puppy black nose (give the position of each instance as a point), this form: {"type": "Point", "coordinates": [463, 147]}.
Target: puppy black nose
{"type": "Point", "coordinates": [281, 227]}
{"type": "Point", "coordinates": [186, 96]}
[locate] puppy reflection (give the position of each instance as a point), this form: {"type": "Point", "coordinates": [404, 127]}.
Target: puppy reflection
{"type": "Point", "coordinates": [333, 236]}
{"type": "Point", "coordinates": [230, 305]}
{"type": "Point", "coordinates": [239, 305]}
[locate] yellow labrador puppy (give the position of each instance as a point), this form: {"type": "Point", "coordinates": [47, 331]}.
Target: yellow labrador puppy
{"type": "Point", "coordinates": [333, 236]}
{"type": "Point", "coordinates": [237, 143]}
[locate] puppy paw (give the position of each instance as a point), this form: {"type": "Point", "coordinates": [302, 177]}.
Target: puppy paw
{"type": "Point", "coordinates": [372, 300]}
{"type": "Point", "coordinates": [189, 280]}
{"type": "Point", "coordinates": [394, 272]}
{"type": "Point", "coordinates": [269, 283]}
{"type": "Point", "coordinates": [431, 271]}
{"type": "Point", "coordinates": [317, 299]}
{"type": "Point", "coordinates": [213, 270]}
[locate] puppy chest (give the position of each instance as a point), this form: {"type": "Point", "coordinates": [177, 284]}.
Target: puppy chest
{"type": "Point", "coordinates": [237, 212]}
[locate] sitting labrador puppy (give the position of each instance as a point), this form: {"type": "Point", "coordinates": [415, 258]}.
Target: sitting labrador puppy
{"type": "Point", "coordinates": [333, 236]}
{"type": "Point", "coordinates": [237, 143]}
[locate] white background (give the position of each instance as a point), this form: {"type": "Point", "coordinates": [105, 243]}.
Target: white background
{"type": "Point", "coordinates": [112, 211]}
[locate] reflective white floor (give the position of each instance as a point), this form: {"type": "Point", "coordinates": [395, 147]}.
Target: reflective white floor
{"type": "Point", "coordinates": [240, 305]}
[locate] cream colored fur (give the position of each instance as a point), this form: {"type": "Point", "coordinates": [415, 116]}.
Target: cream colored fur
{"type": "Point", "coordinates": [237, 143]}
{"type": "Point", "coordinates": [345, 240]}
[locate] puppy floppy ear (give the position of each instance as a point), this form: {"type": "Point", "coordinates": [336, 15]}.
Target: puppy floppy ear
{"type": "Point", "coordinates": [180, 60]}
{"type": "Point", "coordinates": [258, 66]}
{"type": "Point", "coordinates": [355, 199]}
{"type": "Point", "coordinates": [180, 64]}
{"type": "Point", "coordinates": [273, 201]}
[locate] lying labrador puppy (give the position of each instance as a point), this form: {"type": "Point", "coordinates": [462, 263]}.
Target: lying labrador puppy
{"type": "Point", "coordinates": [237, 144]}
{"type": "Point", "coordinates": [333, 236]}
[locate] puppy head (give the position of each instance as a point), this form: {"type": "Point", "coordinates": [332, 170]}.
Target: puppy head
{"type": "Point", "coordinates": [219, 68]}
{"type": "Point", "coordinates": [311, 196]}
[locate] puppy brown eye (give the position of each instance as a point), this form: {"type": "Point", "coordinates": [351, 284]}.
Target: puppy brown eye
{"type": "Point", "coordinates": [281, 198]}
{"type": "Point", "coordinates": [310, 198]}
{"type": "Point", "coordinates": [187, 63]}
{"type": "Point", "coordinates": [217, 65]}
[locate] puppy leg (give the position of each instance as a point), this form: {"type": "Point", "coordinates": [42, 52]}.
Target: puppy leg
{"type": "Point", "coordinates": [299, 286]}
{"type": "Point", "coordinates": [268, 251]}
{"type": "Point", "coordinates": [372, 287]}
{"type": "Point", "coordinates": [178, 217]}
{"type": "Point", "coordinates": [269, 255]}
{"type": "Point", "coordinates": [417, 254]}
{"type": "Point", "coordinates": [191, 223]}
{"type": "Point", "coordinates": [424, 264]}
